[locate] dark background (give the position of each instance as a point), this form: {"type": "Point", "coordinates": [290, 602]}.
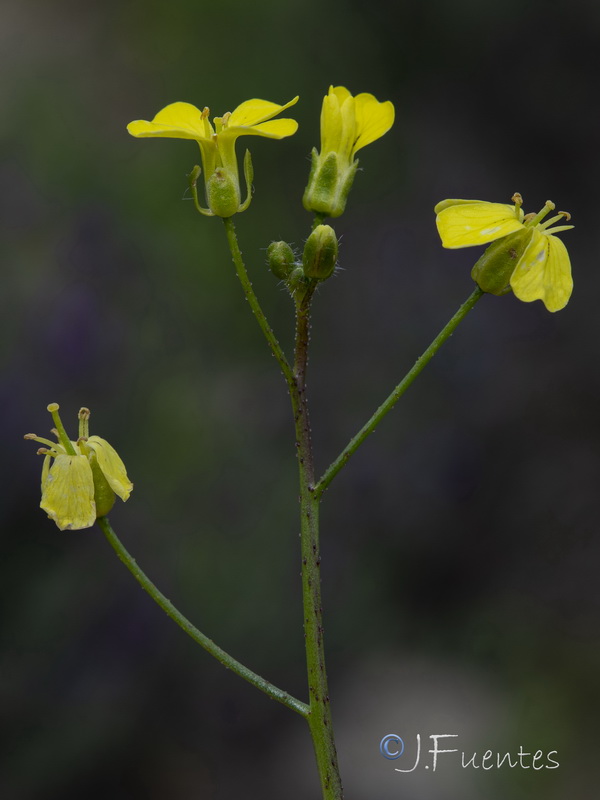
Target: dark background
{"type": "Point", "coordinates": [460, 547]}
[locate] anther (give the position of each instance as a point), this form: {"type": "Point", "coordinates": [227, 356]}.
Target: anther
{"type": "Point", "coordinates": [565, 214]}
{"type": "Point", "coordinates": [30, 436]}
{"type": "Point", "coordinates": [517, 199]}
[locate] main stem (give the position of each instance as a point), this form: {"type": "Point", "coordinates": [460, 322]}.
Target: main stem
{"type": "Point", "coordinates": [319, 717]}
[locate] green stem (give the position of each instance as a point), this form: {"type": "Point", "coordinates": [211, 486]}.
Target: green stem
{"type": "Point", "coordinates": [393, 398]}
{"type": "Point", "coordinates": [318, 220]}
{"type": "Point", "coordinates": [224, 658]}
{"type": "Point", "coordinates": [319, 718]}
{"type": "Point", "coordinates": [253, 301]}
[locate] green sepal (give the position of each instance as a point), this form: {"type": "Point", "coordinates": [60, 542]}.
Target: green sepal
{"type": "Point", "coordinates": [492, 272]}
{"type": "Point", "coordinates": [344, 189]}
{"type": "Point", "coordinates": [193, 181]}
{"type": "Point", "coordinates": [104, 497]}
{"type": "Point", "coordinates": [249, 177]}
{"type": "Point", "coordinates": [321, 191]}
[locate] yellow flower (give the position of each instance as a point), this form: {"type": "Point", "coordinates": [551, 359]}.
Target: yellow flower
{"type": "Point", "coordinates": [527, 257]}
{"type": "Point", "coordinates": [217, 143]}
{"type": "Point", "coordinates": [81, 483]}
{"type": "Point", "coordinates": [347, 124]}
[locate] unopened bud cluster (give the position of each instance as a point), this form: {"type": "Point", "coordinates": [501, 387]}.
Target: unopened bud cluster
{"type": "Point", "coordinates": [318, 259]}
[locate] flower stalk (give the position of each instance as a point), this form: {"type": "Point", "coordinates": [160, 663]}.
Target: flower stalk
{"type": "Point", "coordinates": [200, 638]}
{"type": "Point", "coordinates": [397, 393]}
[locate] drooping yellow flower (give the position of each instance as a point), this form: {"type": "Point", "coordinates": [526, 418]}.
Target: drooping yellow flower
{"type": "Point", "coordinates": [81, 482]}
{"type": "Point", "coordinates": [217, 143]}
{"type": "Point", "coordinates": [527, 256]}
{"type": "Point", "coordinates": [347, 124]}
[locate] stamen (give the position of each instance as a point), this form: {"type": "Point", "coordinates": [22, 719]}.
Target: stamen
{"type": "Point", "coordinates": [34, 438]}
{"type": "Point", "coordinates": [548, 207]}
{"type": "Point", "coordinates": [84, 424]}
{"type": "Point", "coordinates": [552, 220]}
{"type": "Point", "coordinates": [62, 434]}
{"type": "Point", "coordinates": [82, 446]}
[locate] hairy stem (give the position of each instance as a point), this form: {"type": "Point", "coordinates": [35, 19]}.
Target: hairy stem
{"type": "Point", "coordinates": [319, 718]}
{"type": "Point", "coordinates": [224, 658]}
{"type": "Point", "coordinates": [393, 398]}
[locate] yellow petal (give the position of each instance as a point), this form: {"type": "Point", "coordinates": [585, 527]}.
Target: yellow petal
{"type": "Point", "coordinates": [373, 119]}
{"type": "Point", "coordinates": [331, 121]}
{"type": "Point", "coordinates": [175, 121]}
{"type": "Point", "coordinates": [253, 112]}
{"type": "Point", "coordinates": [474, 223]}
{"type": "Point", "coordinates": [68, 493]}
{"type": "Point", "coordinates": [447, 203]}
{"type": "Point", "coordinates": [112, 467]}
{"type": "Point", "coordinates": [340, 92]}
{"type": "Point", "coordinates": [544, 273]}
{"type": "Point", "coordinates": [275, 129]}
{"type": "Point", "coordinates": [349, 130]}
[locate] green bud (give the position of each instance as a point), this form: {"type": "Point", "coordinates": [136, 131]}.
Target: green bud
{"type": "Point", "coordinates": [223, 193]}
{"type": "Point", "coordinates": [494, 269]}
{"type": "Point", "coordinates": [296, 280]}
{"type": "Point", "coordinates": [281, 259]}
{"type": "Point", "coordinates": [320, 253]}
{"type": "Point", "coordinates": [329, 184]}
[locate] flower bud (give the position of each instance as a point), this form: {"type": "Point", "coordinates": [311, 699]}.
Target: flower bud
{"type": "Point", "coordinates": [223, 193]}
{"type": "Point", "coordinates": [492, 272]}
{"type": "Point", "coordinates": [320, 253]}
{"type": "Point", "coordinates": [280, 259]}
{"type": "Point", "coordinates": [296, 281]}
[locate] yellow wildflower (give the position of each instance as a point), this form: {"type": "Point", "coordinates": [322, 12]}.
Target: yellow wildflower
{"type": "Point", "coordinates": [347, 124]}
{"type": "Point", "coordinates": [217, 143]}
{"type": "Point", "coordinates": [81, 482]}
{"type": "Point", "coordinates": [527, 256]}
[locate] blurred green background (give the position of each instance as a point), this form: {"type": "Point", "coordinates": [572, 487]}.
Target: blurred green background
{"type": "Point", "coordinates": [460, 547]}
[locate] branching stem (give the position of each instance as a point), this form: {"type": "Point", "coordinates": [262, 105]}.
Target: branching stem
{"type": "Point", "coordinates": [397, 393]}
